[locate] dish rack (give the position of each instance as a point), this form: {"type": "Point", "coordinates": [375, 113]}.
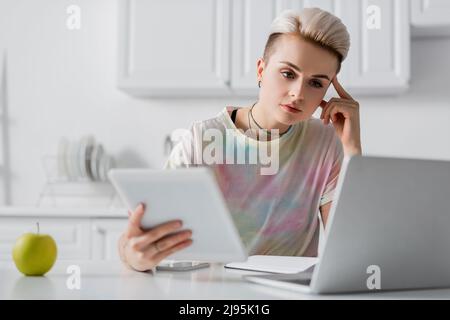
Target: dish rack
{"type": "Point", "coordinates": [76, 187]}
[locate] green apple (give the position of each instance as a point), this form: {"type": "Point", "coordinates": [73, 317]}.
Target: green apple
{"type": "Point", "coordinates": [34, 254]}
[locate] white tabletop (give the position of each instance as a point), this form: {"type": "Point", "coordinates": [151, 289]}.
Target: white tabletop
{"type": "Point", "coordinates": [111, 280]}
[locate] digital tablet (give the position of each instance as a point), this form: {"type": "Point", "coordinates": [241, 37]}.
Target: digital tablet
{"type": "Point", "coordinates": [189, 194]}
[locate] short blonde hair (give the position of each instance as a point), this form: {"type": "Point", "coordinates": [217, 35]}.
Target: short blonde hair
{"type": "Point", "coordinates": [312, 24]}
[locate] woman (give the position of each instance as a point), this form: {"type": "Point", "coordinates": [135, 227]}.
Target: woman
{"type": "Point", "coordinates": [275, 213]}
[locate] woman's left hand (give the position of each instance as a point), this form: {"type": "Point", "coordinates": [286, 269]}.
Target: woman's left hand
{"type": "Point", "coordinates": [344, 114]}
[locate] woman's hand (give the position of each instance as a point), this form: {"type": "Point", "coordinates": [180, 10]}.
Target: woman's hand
{"type": "Point", "coordinates": [344, 114]}
{"type": "Point", "coordinates": [142, 250]}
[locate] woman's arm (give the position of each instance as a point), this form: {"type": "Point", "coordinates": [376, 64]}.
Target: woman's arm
{"type": "Point", "coordinates": [343, 112]}
{"type": "Point", "coordinates": [324, 211]}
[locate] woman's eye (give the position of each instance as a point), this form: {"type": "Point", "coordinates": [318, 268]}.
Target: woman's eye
{"type": "Point", "coordinates": [290, 75]}
{"type": "Point", "coordinates": [316, 84]}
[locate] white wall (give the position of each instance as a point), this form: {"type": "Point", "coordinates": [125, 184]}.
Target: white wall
{"type": "Point", "coordinates": [62, 83]}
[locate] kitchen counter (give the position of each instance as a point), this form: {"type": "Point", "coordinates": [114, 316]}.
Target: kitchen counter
{"type": "Point", "coordinates": [112, 280]}
{"type": "Point", "coordinates": [30, 211]}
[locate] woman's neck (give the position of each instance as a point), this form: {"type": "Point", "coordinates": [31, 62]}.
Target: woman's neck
{"type": "Point", "coordinates": [265, 121]}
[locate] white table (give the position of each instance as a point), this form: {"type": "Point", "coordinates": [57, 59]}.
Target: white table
{"type": "Point", "coordinates": [111, 280]}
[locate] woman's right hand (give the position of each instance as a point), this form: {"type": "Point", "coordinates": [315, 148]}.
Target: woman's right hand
{"type": "Point", "coordinates": [142, 249]}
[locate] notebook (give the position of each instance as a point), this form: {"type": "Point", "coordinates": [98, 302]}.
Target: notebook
{"type": "Point", "coordinates": [274, 264]}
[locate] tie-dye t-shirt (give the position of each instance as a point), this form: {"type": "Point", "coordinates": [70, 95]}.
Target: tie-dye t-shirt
{"type": "Point", "coordinates": [275, 214]}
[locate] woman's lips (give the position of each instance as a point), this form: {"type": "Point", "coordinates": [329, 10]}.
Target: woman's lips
{"type": "Point", "coordinates": [289, 109]}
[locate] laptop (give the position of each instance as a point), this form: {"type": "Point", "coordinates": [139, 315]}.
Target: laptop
{"type": "Point", "coordinates": [388, 229]}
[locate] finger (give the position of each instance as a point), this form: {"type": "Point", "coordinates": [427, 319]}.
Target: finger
{"type": "Point", "coordinates": [164, 254]}
{"type": "Point", "coordinates": [333, 114]}
{"type": "Point", "coordinates": [323, 103]}
{"type": "Point", "coordinates": [339, 108]}
{"type": "Point", "coordinates": [134, 220]}
{"type": "Point", "coordinates": [166, 243]}
{"type": "Point", "coordinates": [326, 118]}
{"type": "Point", "coordinates": [327, 106]}
{"type": "Point", "coordinates": [157, 233]}
{"type": "Point", "coordinates": [340, 90]}
{"type": "Point", "coordinates": [345, 110]}
{"type": "Point", "coordinates": [335, 107]}
{"type": "Point", "coordinates": [172, 240]}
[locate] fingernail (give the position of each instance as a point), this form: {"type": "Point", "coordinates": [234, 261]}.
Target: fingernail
{"type": "Point", "coordinates": [129, 213]}
{"type": "Point", "coordinates": [179, 224]}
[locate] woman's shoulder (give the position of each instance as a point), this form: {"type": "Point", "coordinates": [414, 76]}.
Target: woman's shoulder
{"type": "Point", "coordinates": [318, 132]}
{"type": "Point", "coordinates": [316, 125]}
{"type": "Point", "coordinates": [219, 121]}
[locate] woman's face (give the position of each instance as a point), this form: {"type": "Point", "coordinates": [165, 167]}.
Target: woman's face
{"type": "Point", "coordinates": [298, 73]}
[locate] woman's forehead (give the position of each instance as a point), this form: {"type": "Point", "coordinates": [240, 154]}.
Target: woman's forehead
{"type": "Point", "coordinates": [308, 57]}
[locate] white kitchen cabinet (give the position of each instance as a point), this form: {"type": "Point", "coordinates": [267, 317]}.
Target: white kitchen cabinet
{"type": "Point", "coordinates": [174, 48]}
{"type": "Point", "coordinates": [250, 29]}
{"type": "Point", "coordinates": [430, 17]}
{"type": "Point", "coordinates": [85, 234]}
{"type": "Point", "coordinates": [378, 61]}
{"type": "Point", "coordinates": [106, 233]}
{"type": "Point", "coordinates": [72, 236]}
{"type": "Point", "coordinates": [214, 53]}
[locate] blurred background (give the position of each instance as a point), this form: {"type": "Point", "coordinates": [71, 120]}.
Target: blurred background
{"type": "Point", "coordinates": [128, 72]}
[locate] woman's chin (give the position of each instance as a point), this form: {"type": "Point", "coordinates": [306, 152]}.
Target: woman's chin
{"type": "Point", "coordinates": [288, 119]}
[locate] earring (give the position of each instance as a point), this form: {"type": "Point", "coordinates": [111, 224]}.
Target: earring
{"type": "Point", "coordinates": [259, 84]}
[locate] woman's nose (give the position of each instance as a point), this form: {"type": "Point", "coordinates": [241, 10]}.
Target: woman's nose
{"type": "Point", "coordinates": [298, 90]}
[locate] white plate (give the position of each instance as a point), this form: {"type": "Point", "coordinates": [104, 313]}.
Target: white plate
{"type": "Point", "coordinates": [85, 143]}
{"type": "Point", "coordinates": [76, 164]}
{"type": "Point", "coordinates": [101, 155]}
{"type": "Point", "coordinates": [88, 159]}
{"type": "Point", "coordinates": [95, 161]}
{"type": "Point", "coordinates": [101, 167]}
{"type": "Point", "coordinates": [61, 157]}
{"type": "Point", "coordinates": [80, 156]}
{"type": "Point", "coordinates": [105, 165]}
{"type": "Point", "coordinates": [71, 160]}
